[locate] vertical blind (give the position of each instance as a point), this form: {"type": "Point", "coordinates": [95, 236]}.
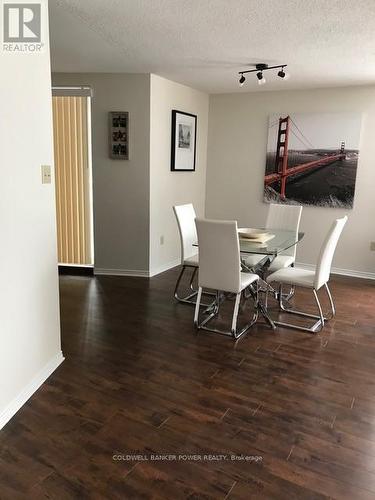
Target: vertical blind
{"type": "Point", "coordinates": [72, 175]}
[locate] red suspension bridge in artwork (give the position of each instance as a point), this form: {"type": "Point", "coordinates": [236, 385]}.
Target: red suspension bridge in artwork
{"type": "Point", "coordinates": [282, 171]}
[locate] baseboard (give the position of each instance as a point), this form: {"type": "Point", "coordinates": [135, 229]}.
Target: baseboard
{"type": "Point", "coordinates": [29, 390]}
{"type": "Point", "coordinates": [136, 272]}
{"type": "Point", "coordinates": [121, 272]}
{"type": "Point", "coordinates": [164, 267]}
{"type": "Point", "coordinates": [343, 272]}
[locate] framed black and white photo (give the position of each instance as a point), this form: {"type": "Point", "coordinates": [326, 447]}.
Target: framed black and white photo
{"type": "Point", "coordinates": [119, 135]}
{"type": "Point", "coordinates": [184, 136]}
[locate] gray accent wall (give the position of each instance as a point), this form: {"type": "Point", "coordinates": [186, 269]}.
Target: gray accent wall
{"type": "Point", "coordinates": [121, 187]}
{"type": "Point", "coordinates": [237, 141]}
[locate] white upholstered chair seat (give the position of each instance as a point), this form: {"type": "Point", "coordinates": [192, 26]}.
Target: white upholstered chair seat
{"type": "Point", "coordinates": [192, 261]}
{"type": "Point", "coordinates": [247, 279]}
{"type": "Point", "coordinates": [253, 259]}
{"type": "Point", "coordinates": [293, 276]}
{"type": "Point", "coordinates": [280, 262]}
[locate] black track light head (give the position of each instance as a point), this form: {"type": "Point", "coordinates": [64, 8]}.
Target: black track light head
{"type": "Point", "coordinates": [281, 73]}
{"type": "Point", "coordinates": [261, 79]}
{"type": "Point", "coordinates": [242, 80]}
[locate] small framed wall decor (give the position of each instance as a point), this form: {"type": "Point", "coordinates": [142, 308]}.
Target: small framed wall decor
{"type": "Point", "coordinates": [183, 143]}
{"type": "Point", "coordinates": [119, 135]}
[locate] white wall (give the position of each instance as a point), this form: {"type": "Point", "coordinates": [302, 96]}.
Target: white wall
{"type": "Point", "coordinates": [121, 187]}
{"type": "Point", "coordinates": [170, 188]}
{"type": "Point", "coordinates": [29, 303]}
{"type": "Point", "coordinates": [236, 158]}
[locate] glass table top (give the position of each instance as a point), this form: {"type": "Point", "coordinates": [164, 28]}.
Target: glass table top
{"type": "Point", "coordinates": [281, 241]}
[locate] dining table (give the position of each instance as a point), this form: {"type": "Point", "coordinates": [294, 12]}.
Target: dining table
{"type": "Point", "coordinates": [279, 240]}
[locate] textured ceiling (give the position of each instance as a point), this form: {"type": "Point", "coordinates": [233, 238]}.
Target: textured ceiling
{"type": "Point", "coordinates": [204, 43]}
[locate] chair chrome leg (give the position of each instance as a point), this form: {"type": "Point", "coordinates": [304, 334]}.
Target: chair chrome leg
{"type": "Point", "coordinates": [213, 310]}
{"type": "Point", "coordinates": [238, 334]}
{"type": "Point", "coordinates": [280, 297]}
{"type": "Point", "coordinates": [197, 305]}
{"type": "Point", "coordinates": [234, 333]}
{"type": "Point", "coordinates": [235, 313]}
{"type": "Point", "coordinates": [191, 297]}
{"type": "Point", "coordinates": [301, 313]}
{"type": "Point", "coordinates": [192, 280]}
{"type": "Point", "coordinates": [177, 297]}
{"type": "Point", "coordinates": [292, 290]}
{"type": "Point", "coordinates": [262, 308]}
{"type": "Point", "coordinates": [318, 325]}
{"type": "Point", "coordinates": [332, 304]}
{"type": "Point", "coordinates": [291, 293]}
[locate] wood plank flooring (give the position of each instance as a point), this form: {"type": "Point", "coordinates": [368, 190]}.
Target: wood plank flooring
{"type": "Point", "coordinates": [137, 379]}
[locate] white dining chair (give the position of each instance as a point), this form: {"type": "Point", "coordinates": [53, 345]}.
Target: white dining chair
{"type": "Point", "coordinates": [185, 216]}
{"type": "Point", "coordinates": [285, 217]}
{"type": "Point", "coordinates": [220, 270]}
{"type": "Point", "coordinates": [314, 280]}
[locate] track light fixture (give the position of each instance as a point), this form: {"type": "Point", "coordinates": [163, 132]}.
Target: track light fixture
{"type": "Point", "coordinates": [259, 69]}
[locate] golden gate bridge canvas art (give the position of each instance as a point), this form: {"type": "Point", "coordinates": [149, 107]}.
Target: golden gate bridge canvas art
{"type": "Point", "coordinates": [312, 159]}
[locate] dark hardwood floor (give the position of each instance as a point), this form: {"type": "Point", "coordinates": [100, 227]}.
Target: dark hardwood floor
{"type": "Point", "coordinates": [137, 379]}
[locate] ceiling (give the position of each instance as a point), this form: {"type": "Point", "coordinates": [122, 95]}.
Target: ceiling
{"type": "Point", "coordinates": [204, 43]}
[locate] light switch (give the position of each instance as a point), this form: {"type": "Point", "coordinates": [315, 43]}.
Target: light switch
{"type": "Point", "coordinates": [46, 174]}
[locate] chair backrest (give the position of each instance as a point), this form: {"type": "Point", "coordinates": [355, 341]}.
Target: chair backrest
{"type": "Point", "coordinates": [219, 255]}
{"type": "Point", "coordinates": [323, 267]}
{"type": "Point", "coordinates": [185, 215]}
{"type": "Point", "coordinates": [285, 217]}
